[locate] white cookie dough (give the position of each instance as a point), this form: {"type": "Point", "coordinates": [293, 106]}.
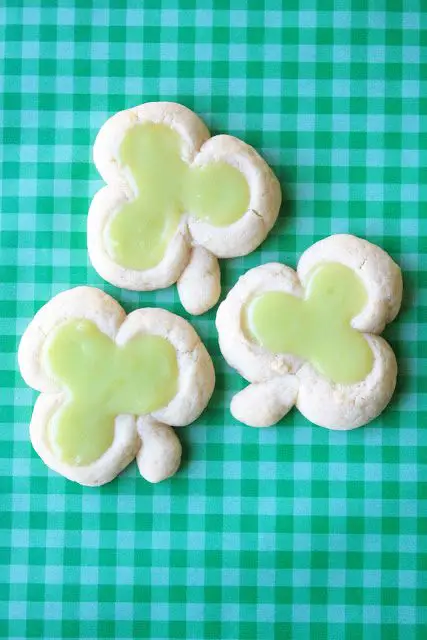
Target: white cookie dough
{"type": "Point", "coordinates": [280, 381]}
{"type": "Point", "coordinates": [149, 438]}
{"type": "Point", "coordinates": [198, 278]}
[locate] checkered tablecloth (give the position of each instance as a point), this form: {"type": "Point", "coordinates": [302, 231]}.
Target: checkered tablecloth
{"type": "Point", "coordinates": [292, 532]}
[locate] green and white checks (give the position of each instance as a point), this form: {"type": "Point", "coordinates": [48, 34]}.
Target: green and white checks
{"type": "Point", "coordinates": [291, 532]}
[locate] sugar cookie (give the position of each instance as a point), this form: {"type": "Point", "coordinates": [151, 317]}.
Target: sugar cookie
{"type": "Point", "coordinates": [111, 385]}
{"type": "Point", "coordinates": [175, 201]}
{"type": "Point", "coordinates": [310, 338]}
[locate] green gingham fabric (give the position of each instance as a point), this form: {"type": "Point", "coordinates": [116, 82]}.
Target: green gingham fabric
{"type": "Point", "coordinates": [292, 532]}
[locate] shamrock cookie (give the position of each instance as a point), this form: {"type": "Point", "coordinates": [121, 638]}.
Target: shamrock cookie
{"type": "Point", "coordinates": [310, 338]}
{"type": "Point", "coordinates": [111, 385]}
{"type": "Point", "coordinates": [175, 201]}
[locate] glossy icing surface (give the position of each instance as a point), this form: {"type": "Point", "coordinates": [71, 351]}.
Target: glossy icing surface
{"type": "Point", "coordinates": [103, 380]}
{"type": "Point", "coordinates": [166, 187]}
{"type": "Point", "coordinates": [317, 327]}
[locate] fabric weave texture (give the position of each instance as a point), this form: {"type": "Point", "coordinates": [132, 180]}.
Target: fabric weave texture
{"type": "Point", "coordinates": [292, 532]}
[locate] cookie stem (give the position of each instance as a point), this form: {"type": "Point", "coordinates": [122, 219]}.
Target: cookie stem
{"type": "Point", "coordinates": [199, 285]}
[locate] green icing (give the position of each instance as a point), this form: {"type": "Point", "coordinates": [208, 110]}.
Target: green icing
{"type": "Point", "coordinates": [165, 187]}
{"type": "Point", "coordinates": [103, 380]}
{"type": "Point", "coordinates": [318, 327]}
